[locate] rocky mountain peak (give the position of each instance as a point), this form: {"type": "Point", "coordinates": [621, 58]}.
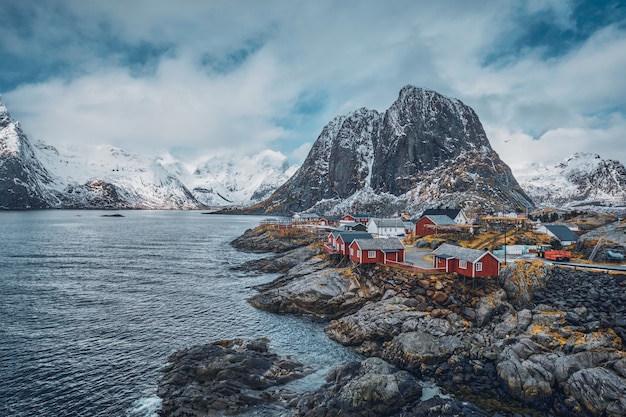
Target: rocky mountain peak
{"type": "Point", "coordinates": [5, 117]}
{"type": "Point", "coordinates": [422, 139]}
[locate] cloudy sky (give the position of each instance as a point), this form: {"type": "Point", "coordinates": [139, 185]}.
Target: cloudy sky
{"type": "Point", "coordinates": [194, 78]}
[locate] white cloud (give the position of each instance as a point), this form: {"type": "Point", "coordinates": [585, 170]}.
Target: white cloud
{"type": "Point", "coordinates": [356, 55]}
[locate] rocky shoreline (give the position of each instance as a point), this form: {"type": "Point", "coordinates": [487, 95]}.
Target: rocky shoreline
{"type": "Point", "coordinates": [538, 341]}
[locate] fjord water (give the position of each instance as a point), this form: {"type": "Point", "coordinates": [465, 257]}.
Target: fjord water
{"type": "Point", "coordinates": [91, 306]}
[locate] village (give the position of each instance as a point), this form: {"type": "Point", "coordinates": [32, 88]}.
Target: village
{"type": "Point", "coordinates": [449, 241]}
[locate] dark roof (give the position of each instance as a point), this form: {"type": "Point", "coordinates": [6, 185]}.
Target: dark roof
{"type": "Point", "coordinates": [465, 254]}
{"type": "Point", "coordinates": [331, 218]}
{"type": "Point", "coordinates": [440, 219]}
{"type": "Point", "coordinates": [350, 227]}
{"type": "Point", "coordinates": [563, 233]}
{"type": "Point", "coordinates": [389, 244]}
{"type": "Point", "coordinates": [349, 236]}
{"type": "Point", "coordinates": [452, 213]}
{"type": "Point", "coordinates": [359, 216]}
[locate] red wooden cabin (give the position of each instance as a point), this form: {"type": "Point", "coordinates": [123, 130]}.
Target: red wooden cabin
{"type": "Point", "coordinates": [370, 251]}
{"type": "Point", "coordinates": [427, 225]}
{"type": "Point", "coordinates": [471, 263]}
{"type": "Point", "coordinates": [344, 240]}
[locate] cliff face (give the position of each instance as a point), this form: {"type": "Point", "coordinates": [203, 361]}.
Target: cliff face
{"type": "Point", "coordinates": [426, 149]}
{"type": "Point", "coordinates": [23, 178]}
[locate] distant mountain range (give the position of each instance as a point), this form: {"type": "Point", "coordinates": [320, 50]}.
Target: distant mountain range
{"type": "Point", "coordinates": [583, 181]}
{"type": "Point", "coordinates": [426, 150]}
{"type": "Point", "coordinates": [41, 176]}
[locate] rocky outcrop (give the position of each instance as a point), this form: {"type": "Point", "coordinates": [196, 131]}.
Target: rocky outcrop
{"type": "Point", "coordinates": [315, 288]}
{"type": "Point", "coordinates": [225, 377]}
{"type": "Point", "coordinates": [369, 388]}
{"type": "Point", "coordinates": [552, 364]}
{"type": "Point", "coordinates": [522, 279]}
{"type": "Point", "coordinates": [263, 239]}
{"type": "Point", "coordinates": [540, 340]}
{"type": "Point", "coordinates": [280, 263]}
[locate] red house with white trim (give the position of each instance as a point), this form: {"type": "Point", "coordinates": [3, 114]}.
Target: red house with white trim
{"type": "Point", "coordinates": [339, 241]}
{"type": "Point", "coordinates": [370, 251]}
{"type": "Point", "coordinates": [471, 263]}
{"type": "Point", "coordinates": [346, 238]}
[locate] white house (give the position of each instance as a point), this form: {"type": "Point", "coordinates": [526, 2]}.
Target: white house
{"type": "Point", "coordinates": [305, 218]}
{"type": "Point", "coordinates": [558, 231]}
{"type": "Point", "coordinates": [386, 227]}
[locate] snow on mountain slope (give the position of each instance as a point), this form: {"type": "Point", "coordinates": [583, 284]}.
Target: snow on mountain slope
{"type": "Point", "coordinates": [164, 182]}
{"type": "Point", "coordinates": [426, 149]}
{"type": "Point", "coordinates": [582, 180]}
{"type": "Point", "coordinates": [109, 177]}
{"type": "Point", "coordinates": [42, 176]}
{"type": "Point", "coordinates": [234, 179]}
{"type": "Point", "coordinates": [24, 180]}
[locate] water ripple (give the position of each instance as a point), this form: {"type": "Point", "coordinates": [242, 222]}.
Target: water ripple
{"type": "Point", "coordinates": [92, 307]}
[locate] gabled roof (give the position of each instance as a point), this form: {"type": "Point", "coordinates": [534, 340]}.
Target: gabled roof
{"type": "Point", "coordinates": [349, 236]}
{"type": "Point", "coordinates": [352, 226]}
{"type": "Point", "coordinates": [358, 216]}
{"type": "Point", "coordinates": [452, 213]}
{"type": "Point", "coordinates": [440, 219]}
{"type": "Point", "coordinates": [563, 233]}
{"type": "Point", "coordinates": [395, 222]}
{"type": "Point", "coordinates": [386, 245]}
{"type": "Point", "coordinates": [464, 254]}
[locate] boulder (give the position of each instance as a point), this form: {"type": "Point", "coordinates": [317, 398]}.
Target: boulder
{"type": "Point", "coordinates": [412, 349]}
{"type": "Point", "coordinates": [376, 321]}
{"type": "Point", "coordinates": [600, 390]}
{"type": "Point", "coordinates": [370, 388]}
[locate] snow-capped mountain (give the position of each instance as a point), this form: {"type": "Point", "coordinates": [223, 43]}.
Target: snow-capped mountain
{"type": "Point", "coordinates": [425, 150]}
{"type": "Point", "coordinates": [109, 177]}
{"type": "Point", "coordinates": [582, 180]}
{"type": "Point", "coordinates": [42, 176]}
{"type": "Point", "coordinates": [24, 181]}
{"type": "Point", "coordinates": [239, 180]}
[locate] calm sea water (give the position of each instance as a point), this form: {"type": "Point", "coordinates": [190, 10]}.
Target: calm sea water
{"type": "Point", "coordinates": [91, 306]}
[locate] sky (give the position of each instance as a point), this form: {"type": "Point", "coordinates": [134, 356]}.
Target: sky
{"type": "Point", "coordinates": [196, 78]}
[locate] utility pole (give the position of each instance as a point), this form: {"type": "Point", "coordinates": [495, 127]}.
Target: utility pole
{"type": "Point", "coordinates": [505, 242]}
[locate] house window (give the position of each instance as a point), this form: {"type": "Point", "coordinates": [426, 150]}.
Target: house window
{"type": "Point", "coordinates": [463, 264]}
{"type": "Point", "coordinates": [343, 247]}
{"type": "Point", "coordinates": [479, 266]}
{"type": "Point", "coordinates": [358, 253]}
{"type": "Point", "coordinates": [351, 251]}
{"type": "Point", "coordinates": [371, 254]}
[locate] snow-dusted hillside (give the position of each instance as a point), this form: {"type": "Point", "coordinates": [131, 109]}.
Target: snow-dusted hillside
{"type": "Point", "coordinates": [109, 177]}
{"type": "Point", "coordinates": [582, 180]}
{"type": "Point", "coordinates": [42, 176]}
{"type": "Point", "coordinates": [238, 179]}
